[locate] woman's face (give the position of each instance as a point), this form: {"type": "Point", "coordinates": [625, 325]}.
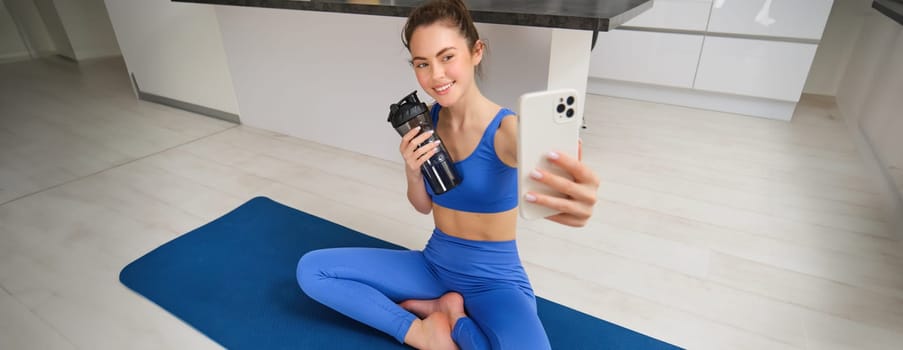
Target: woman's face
{"type": "Point", "coordinates": [443, 63]}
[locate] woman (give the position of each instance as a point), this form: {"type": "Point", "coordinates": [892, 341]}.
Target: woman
{"type": "Point", "coordinates": [467, 287]}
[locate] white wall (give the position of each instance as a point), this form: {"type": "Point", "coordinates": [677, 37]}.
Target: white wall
{"type": "Point", "coordinates": [88, 28]}
{"type": "Point", "coordinates": [870, 53]}
{"type": "Point", "coordinates": [175, 50]}
{"type": "Point", "coordinates": [330, 82]}
{"type": "Point", "coordinates": [77, 29]}
{"type": "Point", "coordinates": [843, 27]}
{"type": "Point", "coordinates": [55, 28]}
{"type": "Point", "coordinates": [29, 19]}
{"type": "Point", "coordinates": [869, 100]}
{"type": "Point", "coordinates": [11, 45]}
{"type": "Point", "coordinates": [332, 78]}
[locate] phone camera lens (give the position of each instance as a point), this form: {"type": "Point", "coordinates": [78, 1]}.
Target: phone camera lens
{"type": "Point", "coordinates": [570, 100]}
{"type": "Point", "coordinates": [570, 112]}
{"type": "Point", "coordinates": [561, 108]}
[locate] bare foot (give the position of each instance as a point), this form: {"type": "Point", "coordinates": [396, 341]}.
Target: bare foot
{"type": "Point", "coordinates": [432, 333]}
{"type": "Point", "coordinates": [452, 304]}
{"type": "Point", "coordinates": [438, 331]}
{"type": "Point", "coordinates": [421, 308]}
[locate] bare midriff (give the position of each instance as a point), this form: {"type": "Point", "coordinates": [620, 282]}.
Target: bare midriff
{"type": "Point", "coordinates": [501, 226]}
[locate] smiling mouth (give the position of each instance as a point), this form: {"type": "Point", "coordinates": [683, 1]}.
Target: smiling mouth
{"type": "Point", "coordinates": [444, 88]}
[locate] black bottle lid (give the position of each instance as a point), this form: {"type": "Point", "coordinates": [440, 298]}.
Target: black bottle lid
{"type": "Point", "coordinates": [409, 107]}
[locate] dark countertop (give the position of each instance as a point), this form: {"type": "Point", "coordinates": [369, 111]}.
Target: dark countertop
{"type": "Point", "coordinates": [890, 8]}
{"type": "Point", "coordinates": [600, 15]}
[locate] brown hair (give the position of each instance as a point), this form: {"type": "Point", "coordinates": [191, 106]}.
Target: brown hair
{"type": "Point", "coordinates": [450, 12]}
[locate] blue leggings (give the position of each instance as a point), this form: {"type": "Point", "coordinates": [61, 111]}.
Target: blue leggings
{"type": "Point", "coordinates": [367, 283]}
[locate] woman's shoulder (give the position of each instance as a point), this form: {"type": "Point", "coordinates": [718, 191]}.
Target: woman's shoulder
{"type": "Point", "coordinates": [497, 110]}
{"type": "Point", "coordinates": [503, 118]}
{"type": "Point", "coordinates": [505, 142]}
{"type": "Point", "coordinates": [503, 113]}
{"type": "Point", "coordinates": [507, 120]}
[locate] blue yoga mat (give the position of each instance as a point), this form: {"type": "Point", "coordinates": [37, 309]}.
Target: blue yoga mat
{"type": "Point", "coordinates": [234, 280]}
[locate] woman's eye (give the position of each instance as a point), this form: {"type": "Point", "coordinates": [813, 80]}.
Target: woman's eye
{"type": "Point", "coordinates": [420, 65]}
{"type": "Point", "coordinates": [449, 57]}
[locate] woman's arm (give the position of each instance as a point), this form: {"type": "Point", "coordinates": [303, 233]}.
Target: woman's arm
{"type": "Point", "coordinates": [414, 157]}
{"type": "Point", "coordinates": [417, 195]}
{"type": "Point", "coordinates": [506, 141]}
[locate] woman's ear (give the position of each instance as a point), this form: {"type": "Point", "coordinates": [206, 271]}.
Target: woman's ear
{"type": "Point", "coordinates": [478, 48]}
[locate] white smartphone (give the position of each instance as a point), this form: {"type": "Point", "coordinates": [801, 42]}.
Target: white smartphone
{"type": "Point", "coordinates": [547, 121]}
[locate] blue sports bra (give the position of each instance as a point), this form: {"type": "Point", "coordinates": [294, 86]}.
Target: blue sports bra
{"type": "Point", "coordinates": [488, 185]}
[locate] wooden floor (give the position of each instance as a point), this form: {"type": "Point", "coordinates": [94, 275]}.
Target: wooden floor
{"type": "Point", "coordinates": [713, 231]}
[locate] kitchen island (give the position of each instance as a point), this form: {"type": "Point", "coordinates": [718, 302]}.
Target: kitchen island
{"type": "Point", "coordinates": [326, 71]}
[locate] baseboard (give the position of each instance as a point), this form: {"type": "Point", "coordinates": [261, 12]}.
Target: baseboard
{"type": "Point", "coordinates": [88, 55]}
{"type": "Point", "coordinates": [186, 106]}
{"type": "Point", "coordinates": [823, 99]}
{"type": "Point", "coordinates": [744, 105]}
{"type": "Point", "coordinates": [15, 57]}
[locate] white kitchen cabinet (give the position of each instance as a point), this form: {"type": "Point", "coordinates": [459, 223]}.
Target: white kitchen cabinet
{"type": "Point", "coordinates": [674, 14]}
{"type": "Point", "coordinates": [804, 19]}
{"type": "Point", "coordinates": [760, 68]}
{"type": "Point", "coordinates": [741, 56]}
{"type": "Point", "coordinates": [646, 57]}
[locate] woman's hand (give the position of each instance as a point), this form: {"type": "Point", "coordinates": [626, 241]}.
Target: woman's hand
{"type": "Point", "coordinates": [414, 157]}
{"type": "Point", "coordinates": [577, 208]}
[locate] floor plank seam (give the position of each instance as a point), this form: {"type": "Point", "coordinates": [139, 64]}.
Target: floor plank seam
{"type": "Point", "coordinates": [738, 289]}
{"type": "Point", "coordinates": [868, 255]}
{"type": "Point", "coordinates": [888, 236]}
{"type": "Point", "coordinates": [114, 167]}
{"type": "Point", "coordinates": [690, 311]}
{"type": "Point", "coordinates": [37, 316]}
